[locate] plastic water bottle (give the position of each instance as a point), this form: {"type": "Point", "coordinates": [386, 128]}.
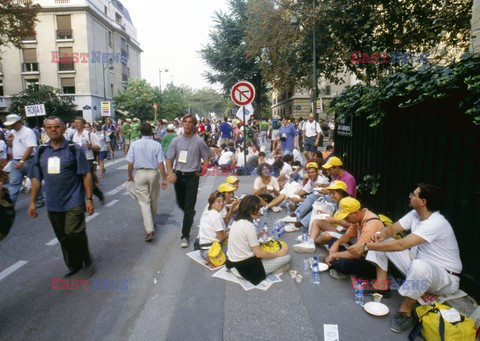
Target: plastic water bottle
{"type": "Point", "coordinates": [316, 273]}
{"type": "Point", "coordinates": [265, 213]}
{"type": "Point", "coordinates": [359, 299]}
{"type": "Point", "coordinates": [265, 232]}
{"type": "Point", "coordinates": [304, 235]}
{"type": "Point", "coordinates": [289, 204]}
{"type": "Point", "coordinates": [280, 228]}
{"type": "Point", "coordinates": [255, 223]}
{"type": "Point", "coordinates": [275, 232]}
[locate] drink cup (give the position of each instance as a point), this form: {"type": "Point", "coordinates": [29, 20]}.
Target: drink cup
{"type": "Point", "coordinates": [298, 279]}
{"type": "Point", "coordinates": [293, 273]}
{"type": "Point", "coordinates": [306, 265]}
{"type": "Point", "coordinates": [377, 297]}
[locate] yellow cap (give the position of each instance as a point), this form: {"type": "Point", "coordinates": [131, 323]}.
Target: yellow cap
{"type": "Point", "coordinates": [347, 205]}
{"type": "Point", "coordinates": [231, 179]}
{"type": "Point", "coordinates": [337, 184]}
{"type": "Point", "coordinates": [333, 161]}
{"type": "Point", "coordinates": [311, 165]}
{"type": "Point", "coordinates": [226, 188]}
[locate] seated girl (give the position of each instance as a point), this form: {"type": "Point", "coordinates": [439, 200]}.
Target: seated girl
{"type": "Point", "coordinates": [266, 186]}
{"type": "Point", "coordinates": [244, 253]}
{"type": "Point", "coordinates": [212, 227]}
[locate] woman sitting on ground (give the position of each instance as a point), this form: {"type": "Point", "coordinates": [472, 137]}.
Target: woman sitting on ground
{"type": "Point", "coordinates": [244, 254]}
{"type": "Point", "coordinates": [212, 227]}
{"type": "Point", "coordinates": [326, 228]}
{"type": "Point", "coordinates": [266, 186]}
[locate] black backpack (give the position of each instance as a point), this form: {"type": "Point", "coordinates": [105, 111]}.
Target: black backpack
{"type": "Point", "coordinates": [7, 213]}
{"type": "Point", "coordinates": [41, 149]}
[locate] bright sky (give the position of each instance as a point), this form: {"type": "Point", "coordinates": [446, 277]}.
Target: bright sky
{"type": "Point", "coordinates": [171, 32]}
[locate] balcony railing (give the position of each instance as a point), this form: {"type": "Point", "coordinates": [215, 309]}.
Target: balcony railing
{"type": "Point", "coordinates": [29, 67]}
{"type": "Point", "coordinates": [29, 38]}
{"type": "Point", "coordinates": [66, 66]}
{"type": "Point", "coordinates": [65, 34]}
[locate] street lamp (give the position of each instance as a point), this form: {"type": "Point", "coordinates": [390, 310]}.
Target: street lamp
{"type": "Point", "coordinates": [160, 76]}
{"type": "Point", "coordinates": [296, 22]}
{"type": "Point", "coordinates": [110, 67]}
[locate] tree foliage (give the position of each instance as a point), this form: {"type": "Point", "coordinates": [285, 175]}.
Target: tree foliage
{"type": "Point", "coordinates": [439, 28]}
{"type": "Point", "coordinates": [207, 100]}
{"type": "Point", "coordinates": [173, 102]}
{"type": "Point", "coordinates": [138, 99]}
{"type": "Point", "coordinates": [55, 104]}
{"type": "Point", "coordinates": [17, 20]}
{"type": "Point", "coordinates": [460, 80]}
{"type": "Point", "coordinates": [227, 56]}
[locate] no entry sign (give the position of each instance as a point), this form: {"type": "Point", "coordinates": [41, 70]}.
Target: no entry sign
{"type": "Point", "coordinates": [243, 93]}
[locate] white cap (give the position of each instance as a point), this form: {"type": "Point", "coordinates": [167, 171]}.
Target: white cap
{"type": "Point", "coordinates": [11, 119]}
{"type": "Point", "coordinates": [170, 127]}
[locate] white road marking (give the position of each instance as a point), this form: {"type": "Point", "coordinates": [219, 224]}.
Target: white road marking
{"type": "Point", "coordinates": [123, 167]}
{"type": "Point", "coordinates": [111, 163]}
{"type": "Point", "coordinates": [87, 219]}
{"type": "Point", "coordinates": [126, 193]}
{"type": "Point", "coordinates": [111, 203]}
{"type": "Point", "coordinates": [12, 268]}
{"type": "Point", "coordinates": [116, 190]}
{"type": "Point", "coordinates": [52, 242]}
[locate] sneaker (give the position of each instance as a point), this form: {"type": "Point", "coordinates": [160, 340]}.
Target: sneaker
{"type": "Point", "coordinates": [337, 274]}
{"type": "Point", "coordinates": [276, 209]}
{"type": "Point", "coordinates": [282, 269]}
{"type": "Point", "coordinates": [149, 237]}
{"type": "Point", "coordinates": [291, 228]}
{"type": "Point", "coordinates": [289, 219]}
{"type": "Point", "coordinates": [184, 243]}
{"type": "Point", "coordinates": [401, 322]}
{"type": "Point", "coordinates": [384, 293]}
{"type": "Point", "coordinates": [304, 247]}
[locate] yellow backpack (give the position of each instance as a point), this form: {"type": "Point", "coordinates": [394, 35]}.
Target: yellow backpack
{"type": "Point", "coordinates": [273, 245]}
{"type": "Point", "coordinates": [432, 326]}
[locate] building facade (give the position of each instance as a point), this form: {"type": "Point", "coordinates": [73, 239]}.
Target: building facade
{"type": "Point", "coordinates": [87, 48]}
{"type": "Point", "coordinates": [296, 103]}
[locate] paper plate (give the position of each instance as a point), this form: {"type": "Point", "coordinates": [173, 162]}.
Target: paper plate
{"type": "Point", "coordinates": [376, 308]}
{"type": "Point", "coordinates": [322, 266]}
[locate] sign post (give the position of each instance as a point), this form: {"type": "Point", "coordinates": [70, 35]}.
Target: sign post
{"type": "Point", "coordinates": [105, 108]}
{"type": "Point", "coordinates": [242, 94]}
{"type": "Point", "coordinates": [35, 110]}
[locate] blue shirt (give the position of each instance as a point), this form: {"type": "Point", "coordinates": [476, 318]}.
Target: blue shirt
{"type": "Point", "coordinates": [290, 133]}
{"type": "Point", "coordinates": [226, 130]}
{"type": "Point", "coordinates": [145, 153]}
{"type": "Point", "coordinates": [65, 190]}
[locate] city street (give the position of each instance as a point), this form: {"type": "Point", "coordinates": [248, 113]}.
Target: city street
{"type": "Point", "coordinates": [154, 291]}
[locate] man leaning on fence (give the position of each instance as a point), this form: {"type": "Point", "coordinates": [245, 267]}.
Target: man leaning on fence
{"type": "Point", "coordinates": [428, 256]}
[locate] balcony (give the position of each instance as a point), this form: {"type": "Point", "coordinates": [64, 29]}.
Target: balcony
{"type": "Point", "coordinates": [66, 66]}
{"type": "Point", "coordinates": [29, 39]}
{"type": "Point", "coordinates": [29, 67]}
{"type": "Point", "coordinates": [124, 77]}
{"type": "Point", "coordinates": [64, 34]}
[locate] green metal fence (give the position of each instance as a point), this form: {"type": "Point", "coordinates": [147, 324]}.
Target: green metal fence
{"type": "Point", "coordinates": [430, 142]}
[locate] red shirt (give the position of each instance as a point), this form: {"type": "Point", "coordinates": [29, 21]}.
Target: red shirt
{"type": "Point", "coordinates": [200, 128]}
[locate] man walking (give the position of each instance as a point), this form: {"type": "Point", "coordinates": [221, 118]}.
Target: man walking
{"type": "Point", "coordinates": [23, 142]}
{"type": "Point", "coordinates": [146, 156]}
{"type": "Point", "coordinates": [187, 150]}
{"type": "Point", "coordinates": [89, 143]}
{"type": "Point", "coordinates": [287, 134]}
{"type": "Point", "coordinates": [311, 132]}
{"type": "Point", "coordinates": [66, 172]}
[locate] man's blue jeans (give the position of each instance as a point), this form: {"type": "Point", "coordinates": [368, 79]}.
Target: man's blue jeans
{"type": "Point", "coordinates": [304, 211]}
{"type": "Point", "coordinates": [16, 177]}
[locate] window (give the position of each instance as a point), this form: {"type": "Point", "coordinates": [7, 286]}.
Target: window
{"type": "Point", "coordinates": [111, 90]}
{"type": "Point", "coordinates": [66, 59]}
{"type": "Point", "coordinates": [30, 83]}
{"type": "Point", "coordinates": [328, 90]}
{"type": "Point", "coordinates": [30, 60]}
{"type": "Point", "coordinates": [105, 10]}
{"type": "Point", "coordinates": [110, 39]}
{"type": "Point", "coordinates": [118, 18]}
{"type": "Point", "coordinates": [64, 27]}
{"type": "Point", "coordinates": [1, 88]}
{"type": "Point", "coordinates": [68, 85]}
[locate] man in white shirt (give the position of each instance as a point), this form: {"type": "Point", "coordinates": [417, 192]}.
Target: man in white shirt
{"type": "Point", "coordinates": [89, 143]}
{"type": "Point", "coordinates": [428, 256]}
{"type": "Point", "coordinates": [23, 142]}
{"type": "Point", "coordinates": [311, 132]}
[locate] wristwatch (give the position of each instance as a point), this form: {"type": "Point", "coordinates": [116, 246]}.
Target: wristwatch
{"type": "Point", "coordinates": [365, 247]}
{"type": "Point", "coordinates": [21, 161]}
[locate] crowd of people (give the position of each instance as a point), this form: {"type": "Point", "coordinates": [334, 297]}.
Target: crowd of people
{"type": "Point", "coordinates": [310, 183]}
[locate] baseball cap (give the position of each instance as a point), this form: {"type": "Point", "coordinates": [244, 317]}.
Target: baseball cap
{"type": "Point", "coordinates": [128, 120]}
{"type": "Point", "coordinates": [337, 184]}
{"type": "Point", "coordinates": [171, 127]}
{"type": "Point", "coordinates": [11, 119]}
{"type": "Point", "coordinates": [311, 165]}
{"type": "Point", "coordinates": [225, 187]}
{"type": "Point", "coordinates": [231, 179]}
{"type": "Point", "coordinates": [346, 206]}
{"type": "Point", "coordinates": [333, 161]}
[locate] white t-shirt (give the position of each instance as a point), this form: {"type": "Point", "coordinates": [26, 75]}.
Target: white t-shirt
{"type": "Point", "coordinates": [103, 139]}
{"type": "Point", "coordinates": [210, 223]}
{"type": "Point", "coordinates": [241, 239]}
{"type": "Point", "coordinates": [85, 137]}
{"type": "Point", "coordinates": [310, 185]}
{"type": "Point", "coordinates": [22, 139]}
{"type": "Point", "coordinates": [225, 158]}
{"type": "Point", "coordinates": [287, 170]}
{"type": "Point", "coordinates": [272, 184]}
{"type": "Point", "coordinates": [311, 129]}
{"type": "Point", "coordinates": [3, 150]}
{"type": "Point", "coordinates": [441, 246]}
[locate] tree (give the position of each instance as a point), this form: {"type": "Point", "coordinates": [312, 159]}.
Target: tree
{"type": "Point", "coordinates": [18, 19]}
{"type": "Point", "coordinates": [441, 29]}
{"type": "Point", "coordinates": [174, 102]}
{"type": "Point", "coordinates": [206, 100]}
{"type": "Point", "coordinates": [138, 99]}
{"type": "Point", "coordinates": [226, 54]}
{"type": "Point", "coordinates": [55, 104]}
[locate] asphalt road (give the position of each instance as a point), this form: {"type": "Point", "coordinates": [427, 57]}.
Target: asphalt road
{"type": "Point", "coordinates": [153, 291]}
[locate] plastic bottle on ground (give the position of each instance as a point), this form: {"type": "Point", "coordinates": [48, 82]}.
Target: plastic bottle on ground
{"type": "Point", "coordinates": [359, 299]}
{"type": "Point", "coordinates": [316, 272]}
{"type": "Point", "coordinates": [265, 232]}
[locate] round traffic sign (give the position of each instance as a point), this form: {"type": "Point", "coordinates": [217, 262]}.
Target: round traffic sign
{"type": "Point", "coordinates": [243, 93]}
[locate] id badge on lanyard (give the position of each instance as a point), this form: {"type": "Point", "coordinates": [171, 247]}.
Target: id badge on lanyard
{"type": "Point", "coordinates": [182, 157]}
{"type": "Point", "coordinates": [53, 165]}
